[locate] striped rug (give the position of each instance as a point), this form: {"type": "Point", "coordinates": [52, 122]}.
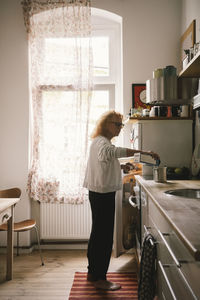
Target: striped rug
{"type": "Point", "coordinates": [84, 290]}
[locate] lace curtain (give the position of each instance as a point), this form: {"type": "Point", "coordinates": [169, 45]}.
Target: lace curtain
{"type": "Point", "coordinates": [60, 55]}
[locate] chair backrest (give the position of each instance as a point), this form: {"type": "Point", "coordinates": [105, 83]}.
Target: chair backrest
{"type": "Point", "coordinates": [10, 193]}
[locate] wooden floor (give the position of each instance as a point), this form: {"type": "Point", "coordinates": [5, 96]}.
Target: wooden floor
{"type": "Point", "coordinates": [31, 281]}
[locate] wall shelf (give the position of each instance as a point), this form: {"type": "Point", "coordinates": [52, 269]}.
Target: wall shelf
{"type": "Point", "coordinates": [135, 119]}
{"type": "Point", "coordinates": [193, 68]}
{"type": "Point", "coordinates": [175, 102]}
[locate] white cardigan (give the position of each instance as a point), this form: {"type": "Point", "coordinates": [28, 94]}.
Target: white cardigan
{"type": "Point", "coordinates": [103, 172]}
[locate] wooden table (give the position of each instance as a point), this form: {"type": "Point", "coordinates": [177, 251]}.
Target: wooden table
{"type": "Point", "coordinates": [7, 215]}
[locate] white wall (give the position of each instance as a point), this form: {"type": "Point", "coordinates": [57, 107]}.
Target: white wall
{"type": "Point", "coordinates": [14, 105]}
{"type": "Point", "coordinates": [151, 34]}
{"type": "Point", "coordinates": [191, 11]}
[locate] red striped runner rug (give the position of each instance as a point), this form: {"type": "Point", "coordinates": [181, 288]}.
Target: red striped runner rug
{"type": "Point", "coordinates": [84, 290]}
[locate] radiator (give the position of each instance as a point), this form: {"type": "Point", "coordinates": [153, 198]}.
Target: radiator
{"type": "Point", "coordinates": [65, 221]}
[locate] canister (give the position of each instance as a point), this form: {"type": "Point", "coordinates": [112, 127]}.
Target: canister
{"type": "Point", "coordinates": [184, 111]}
{"type": "Point", "coordinates": [157, 73]}
{"type": "Point", "coordinates": [170, 83]}
{"type": "Point", "coordinates": [160, 174]}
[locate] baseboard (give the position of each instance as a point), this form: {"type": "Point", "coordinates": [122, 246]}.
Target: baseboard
{"type": "Point", "coordinates": [63, 245]}
{"type": "Point", "coordinates": [48, 246]}
{"type": "Point", "coordinates": [22, 250]}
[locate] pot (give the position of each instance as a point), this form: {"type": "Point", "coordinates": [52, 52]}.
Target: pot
{"type": "Point", "coordinates": [160, 174]}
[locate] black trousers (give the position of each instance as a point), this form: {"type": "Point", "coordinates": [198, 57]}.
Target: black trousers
{"type": "Point", "coordinates": [101, 237]}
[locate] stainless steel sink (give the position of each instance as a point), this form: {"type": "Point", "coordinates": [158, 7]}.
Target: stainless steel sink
{"type": "Point", "coordinates": [186, 193]}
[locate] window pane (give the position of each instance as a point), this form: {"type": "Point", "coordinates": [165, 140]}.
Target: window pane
{"type": "Point", "coordinates": [57, 66]}
{"type": "Point", "coordinates": [60, 65]}
{"type": "Point", "coordinates": [100, 46]}
{"type": "Point", "coordinates": [100, 104]}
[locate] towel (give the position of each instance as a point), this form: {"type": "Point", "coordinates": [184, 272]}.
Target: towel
{"type": "Point", "coordinates": [147, 281]}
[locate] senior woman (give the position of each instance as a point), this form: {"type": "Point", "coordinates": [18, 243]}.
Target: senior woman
{"type": "Point", "coordinates": [103, 179]}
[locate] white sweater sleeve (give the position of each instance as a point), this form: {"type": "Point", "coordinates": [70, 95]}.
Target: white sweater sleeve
{"type": "Point", "coordinates": [107, 151]}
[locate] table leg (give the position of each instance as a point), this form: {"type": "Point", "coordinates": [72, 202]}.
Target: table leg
{"type": "Point", "coordinates": [10, 248]}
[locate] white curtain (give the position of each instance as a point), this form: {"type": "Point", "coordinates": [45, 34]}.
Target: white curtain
{"type": "Point", "coordinates": [59, 34]}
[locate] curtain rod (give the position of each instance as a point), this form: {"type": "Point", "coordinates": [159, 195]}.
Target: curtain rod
{"type": "Point", "coordinates": [52, 2]}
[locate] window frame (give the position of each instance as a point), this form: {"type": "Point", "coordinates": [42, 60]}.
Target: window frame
{"type": "Point", "coordinates": [108, 24]}
{"type": "Point", "coordinates": [112, 56]}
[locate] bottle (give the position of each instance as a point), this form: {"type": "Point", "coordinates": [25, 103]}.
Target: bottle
{"type": "Point", "coordinates": [152, 112]}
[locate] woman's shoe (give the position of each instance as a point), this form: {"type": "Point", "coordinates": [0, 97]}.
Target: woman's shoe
{"type": "Point", "coordinates": [107, 285]}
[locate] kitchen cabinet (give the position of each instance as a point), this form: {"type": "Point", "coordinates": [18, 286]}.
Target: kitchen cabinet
{"type": "Point", "coordinates": [178, 265]}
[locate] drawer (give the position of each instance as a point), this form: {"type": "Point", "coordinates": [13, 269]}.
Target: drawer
{"type": "Point", "coordinates": [5, 215]}
{"type": "Point", "coordinates": [162, 228]}
{"type": "Point", "coordinates": [172, 283]}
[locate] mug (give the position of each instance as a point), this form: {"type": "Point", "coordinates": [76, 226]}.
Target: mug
{"type": "Point", "coordinates": [184, 111]}
{"type": "Point", "coordinates": [163, 111]}
{"type": "Point", "coordinates": [160, 174]}
{"type": "Point", "coordinates": [145, 112]}
{"type": "Point", "coordinates": [157, 111]}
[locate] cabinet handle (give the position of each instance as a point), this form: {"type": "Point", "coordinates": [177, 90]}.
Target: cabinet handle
{"type": "Point", "coordinates": [167, 280]}
{"type": "Point", "coordinates": [187, 284]}
{"type": "Point", "coordinates": [147, 232]}
{"type": "Point", "coordinates": [169, 249]}
{"type": "Point", "coordinates": [5, 217]}
{"type": "Point", "coordinates": [181, 274]}
{"type": "Point", "coordinates": [130, 199]}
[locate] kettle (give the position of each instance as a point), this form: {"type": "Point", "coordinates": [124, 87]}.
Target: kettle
{"type": "Point", "coordinates": [160, 174]}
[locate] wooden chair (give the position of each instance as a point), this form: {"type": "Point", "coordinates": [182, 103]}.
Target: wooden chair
{"type": "Point", "coordinates": [23, 225]}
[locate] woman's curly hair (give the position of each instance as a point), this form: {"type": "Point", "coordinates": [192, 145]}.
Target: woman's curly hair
{"type": "Point", "coordinates": [101, 127]}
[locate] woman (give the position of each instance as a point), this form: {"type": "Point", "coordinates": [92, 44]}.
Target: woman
{"type": "Point", "coordinates": [103, 179]}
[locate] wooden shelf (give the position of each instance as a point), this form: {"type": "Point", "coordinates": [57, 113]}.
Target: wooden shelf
{"type": "Point", "coordinates": [166, 102]}
{"type": "Point", "coordinates": [193, 68]}
{"type": "Point", "coordinates": [134, 119]}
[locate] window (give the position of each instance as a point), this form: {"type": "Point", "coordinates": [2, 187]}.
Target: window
{"type": "Point", "coordinates": [107, 53]}
{"type": "Point", "coordinates": [106, 62]}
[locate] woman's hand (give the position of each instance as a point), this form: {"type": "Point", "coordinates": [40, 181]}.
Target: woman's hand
{"type": "Point", "coordinates": [127, 167]}
{"type": "Point", "coordinates": [153, 154]}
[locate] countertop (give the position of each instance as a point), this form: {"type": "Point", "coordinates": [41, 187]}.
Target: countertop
{"type": "Point", "coordinates": [182, 213]}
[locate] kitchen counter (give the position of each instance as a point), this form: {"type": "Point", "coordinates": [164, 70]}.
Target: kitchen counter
{"type": "Point", "coordinates": [182, 213]}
